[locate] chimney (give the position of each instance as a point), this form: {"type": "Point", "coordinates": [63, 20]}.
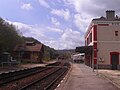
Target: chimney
{"type": "Point", "coordinates": [110, 14]}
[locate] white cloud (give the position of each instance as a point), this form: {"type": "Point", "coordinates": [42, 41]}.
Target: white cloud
{"type": "Point", "coordinates": [55, 21]}
{"type": "Point", "coordinates": [30, 30]}
{"type": "Point", "coordinates": [62, 13]}
{"type": "Point", "coordinates": [54, 29]}
{"type": "Point", "coordinates": [93, 7]}
{"type": "Point", "coordinates": [76, 3]}
{"type": "Point", "coordinates": [69, 40]}
{"type": "Point", "coordinates": [44, 3]}
{"type": "Point", "coordinates": [52, 43]}
{"type": "Point", "coordinates": [82, 22]}
{"type": "Point", "coordinates": [27, 6]}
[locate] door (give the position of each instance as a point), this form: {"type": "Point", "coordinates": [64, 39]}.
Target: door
{"type": "Point", "coordinates": [114, 60]}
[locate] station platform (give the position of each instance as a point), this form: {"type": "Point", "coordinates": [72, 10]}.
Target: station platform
{"type": "Point", "coordinates": [82, 77]}
{"type": "Point", "coordinates": [11, 68]}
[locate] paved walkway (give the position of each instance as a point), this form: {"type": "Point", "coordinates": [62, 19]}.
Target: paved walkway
{"type": "Point", "coordinates": [82, 77]}
{"type": "Point", "coordinates": [112, 75]}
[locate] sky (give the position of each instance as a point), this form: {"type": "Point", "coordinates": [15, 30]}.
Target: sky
{"type": "Point", "coordinates": [60, 24]}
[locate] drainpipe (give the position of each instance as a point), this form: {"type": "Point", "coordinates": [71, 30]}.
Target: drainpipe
{"type": "Point", "coordinates": [92, 51]}
{"type": "Point", "coordinates": [97, 61]}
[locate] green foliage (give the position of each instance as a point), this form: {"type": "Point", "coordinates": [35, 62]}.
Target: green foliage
{"type": "Point", "coordinates": [9, 36]}
{"type": "Point", "coordinates": [49, 53]}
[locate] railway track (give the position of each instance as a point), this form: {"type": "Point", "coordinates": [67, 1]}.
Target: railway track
{"type": "Point", "coordinates": [47, 82]}
{"type": "Point", "coordinates": [13, 76]}
{"type": "Point", "coordinates": [39, 78]}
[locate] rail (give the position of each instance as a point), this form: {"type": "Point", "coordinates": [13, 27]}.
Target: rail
{"type": "Point", "coordinates": [47, 77]}
{"type": "Point", "coordinates": [13, 76]}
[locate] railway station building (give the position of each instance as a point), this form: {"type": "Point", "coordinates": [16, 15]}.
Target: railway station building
{"type": "Point", "coordinates": [102, 42]}
{"type": "Point", "coordinates": [29, 52]}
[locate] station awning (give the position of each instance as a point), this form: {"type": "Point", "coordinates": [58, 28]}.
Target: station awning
{"type": "Point", "coordinates": [84, 49]}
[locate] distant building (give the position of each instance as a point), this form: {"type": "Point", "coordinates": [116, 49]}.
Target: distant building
{"type": "Point", "coordinates": [103, 40]}
{"type": "Point", "coordinates": [29, 51]}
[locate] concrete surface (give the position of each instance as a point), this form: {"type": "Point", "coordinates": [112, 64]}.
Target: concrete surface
{"type": "Point", "coordinates": [112, 75]}
{"type": "Point", "coordinates": [9, 68]}
{"type": "Point", "coordinates": [82, 77]}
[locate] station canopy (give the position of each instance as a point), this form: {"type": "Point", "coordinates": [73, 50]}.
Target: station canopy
{"type": "Point", "coordinates": [84, 49]}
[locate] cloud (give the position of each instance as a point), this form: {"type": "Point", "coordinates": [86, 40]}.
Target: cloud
{"type": "Point", "coordinates": [93, 7]}
{"type": "Point", "coordinates": [54, 21]}
{"type": "Point", "coordinates": [44, 3]}
{"type": "Point", "coordinates": [62, 13]}
{"type": "Point", "coordinates": [68, 40]}
{"type": "Point", "coordinates": [30, 30]}
{"type": "Point", "coordinates": [54, 29]}
{"type": "Point", "coordinates": [82, 21]}
{"type": "Point", "coordinates": [71, 39]}
{"type": "Point", "coordinates": [27, 6]}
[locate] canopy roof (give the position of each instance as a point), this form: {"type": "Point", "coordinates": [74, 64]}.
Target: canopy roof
{"type": "Point", "coordinates": [84, 49]}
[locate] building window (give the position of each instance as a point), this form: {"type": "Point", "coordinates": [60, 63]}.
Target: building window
{"type": "Point", "coordinates": [116, 33]}
{"type": "Point", "coordinates": [90, 37]}
{"type": "Point", "coordinates": [87, 41]}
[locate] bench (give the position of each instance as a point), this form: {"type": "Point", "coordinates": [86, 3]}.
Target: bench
{"type": "Point", "coordinates": [14, 62]}
{"type": "Point", "coordinates": [11, 62]}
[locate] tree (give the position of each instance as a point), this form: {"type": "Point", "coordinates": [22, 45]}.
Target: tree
{"type": "Point", "coordinates": [49, 53]}
{"type": "Point", "coordinates": [9, 36]}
